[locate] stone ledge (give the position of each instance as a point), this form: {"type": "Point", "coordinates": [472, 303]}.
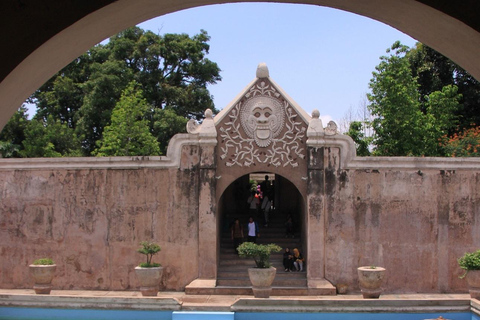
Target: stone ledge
{"type": "Point", "coordinates": [98, 302]}
{"type": "Point", "coordinates": [352, 305]}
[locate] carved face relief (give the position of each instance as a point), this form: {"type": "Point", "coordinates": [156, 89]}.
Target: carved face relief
{"type": "Point", "coordinates": [262, 119]}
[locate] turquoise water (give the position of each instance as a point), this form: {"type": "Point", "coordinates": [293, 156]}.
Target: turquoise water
{"type": "Point", "coordinates": [12, 313]}
{"type": "Point", "coordinates": [355, 316]}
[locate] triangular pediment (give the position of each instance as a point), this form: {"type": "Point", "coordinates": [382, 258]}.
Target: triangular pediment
{"type": "Point", "coordinates": [262, 126]}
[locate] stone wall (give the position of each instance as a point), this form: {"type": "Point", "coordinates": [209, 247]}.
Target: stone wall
{"type": "Point", "coordinates": [413, 216]}
{"type": "Point", "coordinates": [408, 215]}
{"type": "Point", "coordinates": [91, 220]}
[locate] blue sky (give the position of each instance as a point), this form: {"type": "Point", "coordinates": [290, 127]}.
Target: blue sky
{"type": "Point", "coordinates": [322, 57]}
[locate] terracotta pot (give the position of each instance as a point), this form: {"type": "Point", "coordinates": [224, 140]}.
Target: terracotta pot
{"type": "Point", "coordinates": [473, 280]}
{"type": "Point", "coordinates": [342, 288]}
{"type": "Point", "coordinates": [262, 279]}
{"type": "Point", "coordinates": [149, 279]}
{"type": "Point", "coordinates": [42, 275]}
{"type": "Point", "coordinates": [370, 281]}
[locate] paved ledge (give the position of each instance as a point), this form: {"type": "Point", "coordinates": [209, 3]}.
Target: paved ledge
{"type": "Point", "coordinates": [418, 304]}
{"type": "Point", "coordinates": [174, 301]}
{"type": "Point", "coordinates": [88, 300]}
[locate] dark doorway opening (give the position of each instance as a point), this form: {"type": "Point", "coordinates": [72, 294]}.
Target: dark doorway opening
{"type": "Point", "coordinates": [235, 203]}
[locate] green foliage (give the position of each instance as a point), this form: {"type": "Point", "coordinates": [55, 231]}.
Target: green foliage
{"type": "Point", "coordinates": [463, 144]}
{"type": "Point", "coordinates": [13, 134]}
{"type": "Point", "coordinates": [470, 261]}
{"type": "Point", "coordinates": [8, 149]}
{"type": "Point", "coordinates": [50, 138]}
{"type": "Point", "coordinates": [253, 185]}
{"type": "Point", "coordinates": [362, 142]}
{"type": "Point", "coordinates": [149, 249]}
{"type": "Point", "coordinates": [166, 124]}
{"type": "Point", "coordinates": [172, 70]}
{"type": "Point", "coordinates": [43, 262]}
{"type": "Point", "coordinates": [259, 252]}
{"type": "Point", "coordinates": [129, 133]}
{"type": "Point", "coordinates": [434, 71]}
{"type": "Point", "coordinates": [406, 122]}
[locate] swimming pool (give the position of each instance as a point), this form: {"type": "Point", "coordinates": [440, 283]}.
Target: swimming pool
{"type": "Point", "coordinates": [14, 313]}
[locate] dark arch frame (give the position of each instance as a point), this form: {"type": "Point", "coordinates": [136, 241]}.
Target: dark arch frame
{"type": "Point", "coordinates": [67, 29]}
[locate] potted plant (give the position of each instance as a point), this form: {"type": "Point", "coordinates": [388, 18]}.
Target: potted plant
{"type": "Point", "coordinates": [370, 279]}
{"type": "Point", "coordinates": [42, 272]}
{"type": "Point", "coordinates": [263, 274]}
{"type": "Point", "coordinates": [149, 273]}
{"type": "Point", "coordinates": [470, 262]}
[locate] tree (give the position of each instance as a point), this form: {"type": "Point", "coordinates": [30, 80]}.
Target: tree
{"type": "Point", "coordinates": [172, 71]}
{"type": "Point", "coordinates": [50, 138]}
{"type": "Point", "coordinates": [362, 142]}
{"type": "Point", "coordinates": [394, 102]}
{"type": "Point", "coordinates": [166, 124]}
{"type": "Point", "coordinates": [434, 71]}
{"type": "Point", "coordinates": [13, 134]}
{"type": "Point", "coordinates": [129, 133]}
{"type": "Point", "coordinates": [406, 122]}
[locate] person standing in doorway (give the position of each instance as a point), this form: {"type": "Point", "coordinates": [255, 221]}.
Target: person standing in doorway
{"type": "Point", "coordinates": [237, 234]}
{"type": "Point", "coordinates": [253, 231]}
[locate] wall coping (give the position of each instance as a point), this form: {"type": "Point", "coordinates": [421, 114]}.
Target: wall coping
{"type": "Point", "coordinates": [171, 160]}
{"type": "Point", "coordinates": [349, 160]}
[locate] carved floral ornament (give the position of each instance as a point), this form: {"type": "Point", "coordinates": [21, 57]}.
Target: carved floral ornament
{"type": "Point", "coordinates": [271, 133]}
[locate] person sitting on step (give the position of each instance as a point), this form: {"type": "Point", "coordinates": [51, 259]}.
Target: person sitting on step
{"type": "Point", "coordinates": [287, 260]}
{"type": "Point", "coordinates": [298, 260]}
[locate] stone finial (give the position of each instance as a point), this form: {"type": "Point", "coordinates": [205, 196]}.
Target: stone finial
{"type": "Point", "coordinates": [208, 114]}
{"type": "Point", "coordinates": [262, 71]}
{"type": "Point", "coordinates": [206, 127]}
{"type": "Point", "coordinates": [315, 126]}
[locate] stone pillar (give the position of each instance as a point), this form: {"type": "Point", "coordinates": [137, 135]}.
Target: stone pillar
{"type": "Point", "coordinates": [317, 163]}
{"type": "Point", "coordinates": [207, 215]}
{"type": "Point", "coordinates": [315, 201]}
{"type": "Point", "coordinates": [315, 216]}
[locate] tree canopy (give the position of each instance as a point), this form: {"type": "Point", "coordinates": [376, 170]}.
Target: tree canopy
{"type": "Point", "coordinates": [171, 71]}
{"type": "Point", "coordinates": [419, 99]}
{"type": "Point", "coordinates": [129, 133]}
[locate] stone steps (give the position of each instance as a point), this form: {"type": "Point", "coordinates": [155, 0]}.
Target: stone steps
{"type": "Point", "coordinates": [232, 274]}
{"type": "Point", "coordinates": [194, 289]}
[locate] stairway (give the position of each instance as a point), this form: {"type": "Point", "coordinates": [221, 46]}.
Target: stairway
{"type": "Point", "coordinates": [232, 276]}
{"type": "Point", "coordinates": [232, 273]}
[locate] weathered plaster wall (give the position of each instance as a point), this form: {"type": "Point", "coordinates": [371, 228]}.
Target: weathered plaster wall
{"type": "Point", "coordinates": [416, 222]}
{"type": "Point", "coordinates": [413, 216]}
{"type": "Point", "coordinates": [91, 221]}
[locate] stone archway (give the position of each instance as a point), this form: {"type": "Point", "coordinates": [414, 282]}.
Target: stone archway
{"type": "Point", "coordinates": [264, 131]}
{"type": "Point", "coordinates": [232, 276]}
{"type": "Point", "coordinates": [35, 54]}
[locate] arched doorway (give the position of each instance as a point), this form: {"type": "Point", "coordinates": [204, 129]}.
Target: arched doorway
{"type": "Point", "coordinates": [288, 205]}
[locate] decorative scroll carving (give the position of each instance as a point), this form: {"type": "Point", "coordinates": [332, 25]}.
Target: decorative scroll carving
{"type": "Point", "coordinates": [331, 128]}
{"type": "Point", "coordinates": [271, 133]}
